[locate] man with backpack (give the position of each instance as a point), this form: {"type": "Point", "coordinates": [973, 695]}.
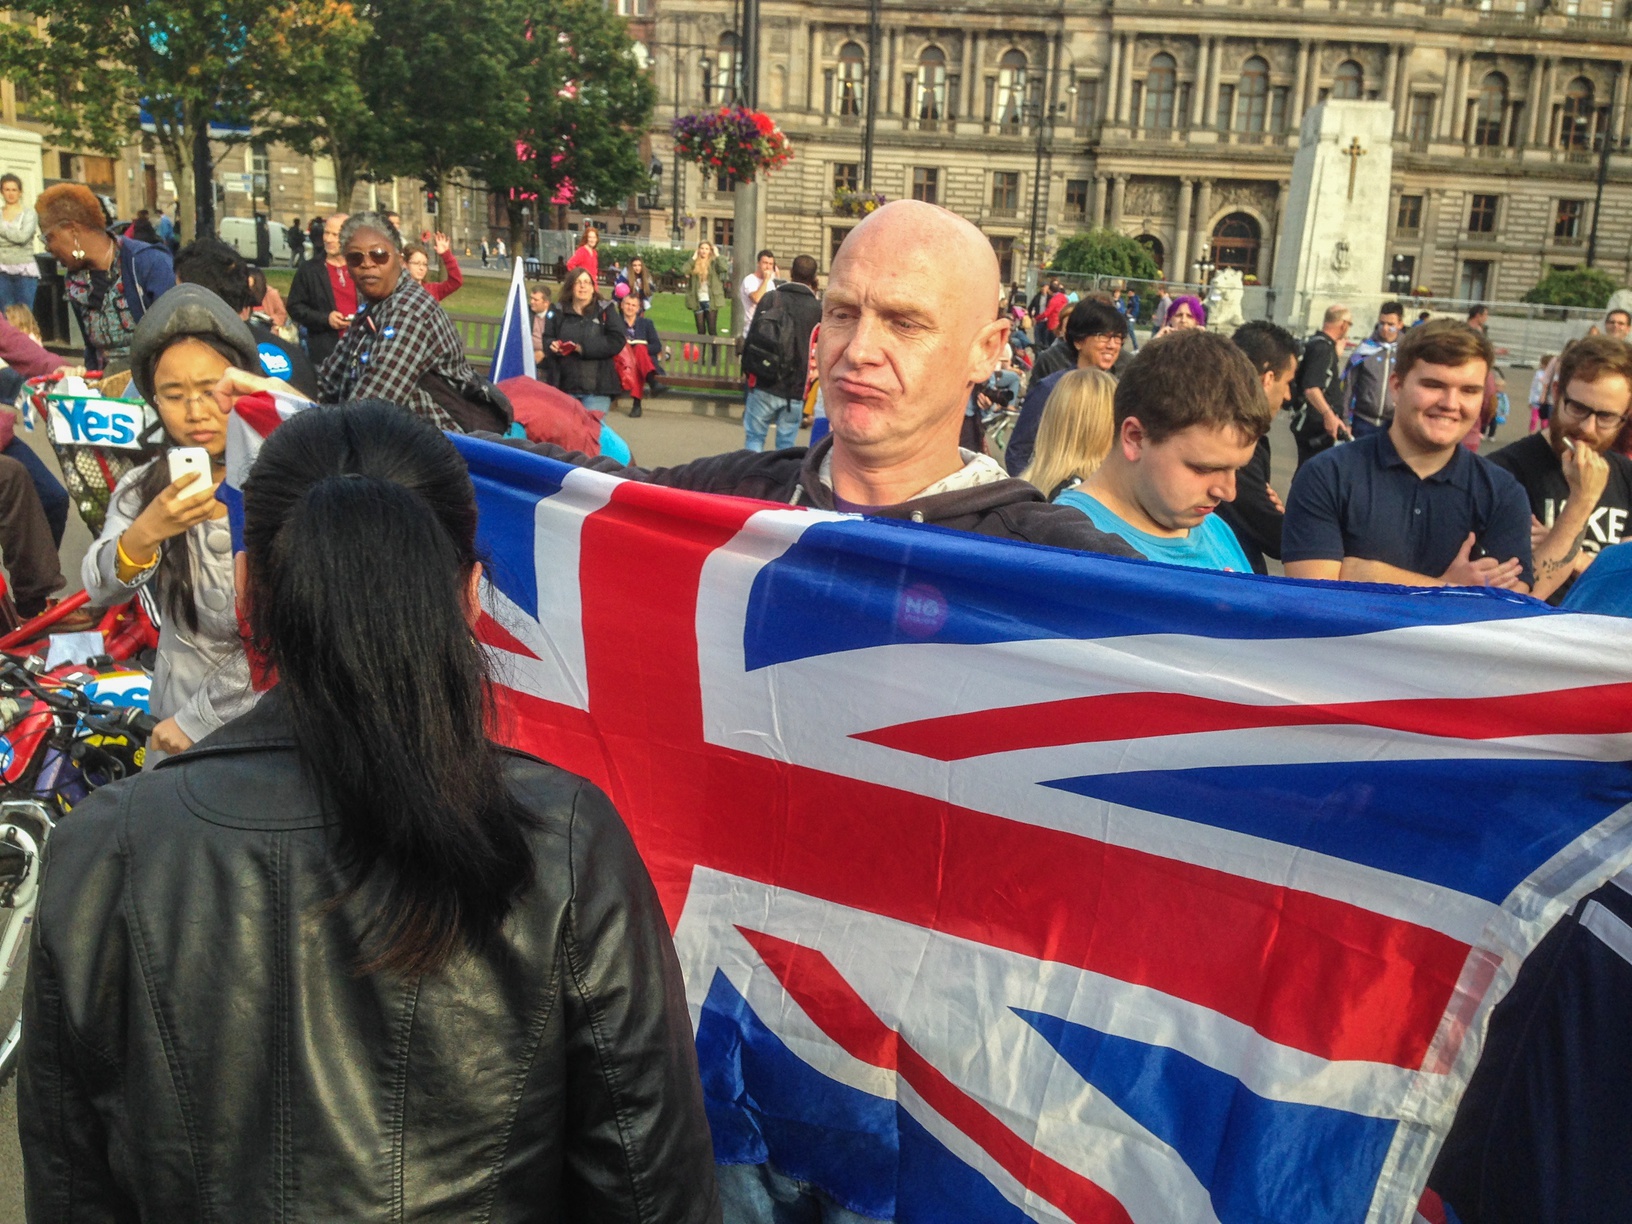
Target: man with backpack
{"type": "Point", "coordinates": [1317, 388]}
{"type": "Point", "coordinates": [1368, 402]}
{"type": "Point", "coordinates": [775, 354]}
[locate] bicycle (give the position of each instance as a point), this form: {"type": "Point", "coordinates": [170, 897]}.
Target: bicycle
{"type": "Point", "coordinates": [59, 742]}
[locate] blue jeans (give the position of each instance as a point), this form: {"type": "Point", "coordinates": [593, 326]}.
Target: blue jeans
{"type": "Point", "coordinates": [17, 290]}
{"type": "Point", "coordinates": [595, 403]}
{"type": "Point", "coordinates": [758, 1194]}
{"type": "Point", "coordinates": [762, 410]}
{"type": "Point", "coordinates": [53, 497]}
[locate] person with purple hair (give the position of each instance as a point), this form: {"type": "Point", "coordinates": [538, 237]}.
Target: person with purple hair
{"type": "Point", "coordinates": [1186, 311]}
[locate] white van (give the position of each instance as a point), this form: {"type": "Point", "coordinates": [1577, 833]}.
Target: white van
{"type": "Point", "coordinates": [239, 233]}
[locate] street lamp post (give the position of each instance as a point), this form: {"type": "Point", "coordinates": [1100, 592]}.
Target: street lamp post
{"type": "Point", "coordinates": [1205, 267]}
{"type": "Point", "coordinates": [1604, 148]}
{"type": "Point", "coordinates": [1399, 280]}
{"type": "Point", "coordinates": [1043, 113]}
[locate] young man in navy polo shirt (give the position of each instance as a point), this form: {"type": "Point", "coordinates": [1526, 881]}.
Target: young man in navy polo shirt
{"type": "Point", "coordinates": [1412, 506]}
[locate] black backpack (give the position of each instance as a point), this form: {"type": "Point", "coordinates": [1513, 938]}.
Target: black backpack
{"type": "Point", "coordinates": [770, 350]}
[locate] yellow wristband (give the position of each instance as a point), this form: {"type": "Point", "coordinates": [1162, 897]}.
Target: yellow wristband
{"type": "Point", "coordinates": [124, 558]}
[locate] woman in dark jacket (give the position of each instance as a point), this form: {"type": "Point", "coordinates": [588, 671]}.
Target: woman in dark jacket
{"type": "Point", "coordinates": [580, 341]}
{"type": "Point", "coordinates": [323, 295]}
{"type": "Point", "coordinates": [346, 958]}
{"type": "Point", "coordinates": [111, 281]}
{"type": "Point", "coordinates": [638, 376]}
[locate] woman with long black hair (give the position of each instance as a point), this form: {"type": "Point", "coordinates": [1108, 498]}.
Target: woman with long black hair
{"type": "Point", "coordinates": [347, 958]}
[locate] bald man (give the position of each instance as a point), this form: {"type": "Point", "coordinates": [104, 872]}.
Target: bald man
{"type": "Point", "coordinates": [902, 344]}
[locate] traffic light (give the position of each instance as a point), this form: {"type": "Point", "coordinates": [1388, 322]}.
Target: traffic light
{"type": "Point", "coordinates": [430, 202]}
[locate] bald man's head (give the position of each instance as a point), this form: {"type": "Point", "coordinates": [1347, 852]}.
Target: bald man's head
{"type": "Point", "coordinates": [910, 227]}
{"type": "Point", "coordinates": [909, 325]}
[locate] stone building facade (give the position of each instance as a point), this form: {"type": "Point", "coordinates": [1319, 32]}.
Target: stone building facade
{"type": "Point", "coordinates": [1175, 122]}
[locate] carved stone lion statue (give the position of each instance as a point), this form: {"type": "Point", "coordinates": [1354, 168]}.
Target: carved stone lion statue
{"type": "Point", "coordinates": [1226, 293]}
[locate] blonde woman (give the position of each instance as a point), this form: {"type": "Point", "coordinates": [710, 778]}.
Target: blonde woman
{"type": "Point", "coordinates": [705, 289]}
{"type": "Point", "coordinates": [1076, 432]}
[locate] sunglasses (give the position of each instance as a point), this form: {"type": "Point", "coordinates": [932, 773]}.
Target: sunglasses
{"type": "Point", "coordinates": [378, 256]}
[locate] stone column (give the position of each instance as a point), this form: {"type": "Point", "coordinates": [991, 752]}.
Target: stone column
{"type": "Point", "coordinates": [1124, 101]}
{"type": "Point", "coordinates": [1119, 187]}
{"type": "Point", "coordinates": [972, 82]}
{"type": "Point", "coordinates": [1215, 58]}
{"type": "Point", "coordinates": [1544, 104]}
{"type": "Point", "coordinates": [1617, 110]}
{"type": "Point", "coordinates": [890, 74]}
{"type": "Point", "coordinates": [1442, 128]}
{"type": "Point", "coordinates": [1300, 85]}
{"type": "Point", "coordinates": [1311, 82]}
{"type": "Point", "coordinates": [1198, 95]}
{"type": "Point", "coordinates": [1391, 73]}
{"type": "Point", "coordinates": [1178, 267]}
{"type": "Point", "coordinates": [1460, 118]}
{"type": "Point", "coordinates": [1532, 105]}
{"type": "Point", "coordinates": [1097, 217]}
{"type": "Point", "coordinates": [1202, 242]}
{"type": "Point", "coordinates": [1285, 189]}
{"type": "Point", "coordinates": [1402, 92]}
{"type": "Point", "coordinates": [1430, 231]}
{"type": "Point", "coordinates": [1113, 81]}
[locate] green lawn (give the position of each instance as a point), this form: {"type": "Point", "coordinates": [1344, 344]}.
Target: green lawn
{"type": "Point", "coordinates": [485, 296]}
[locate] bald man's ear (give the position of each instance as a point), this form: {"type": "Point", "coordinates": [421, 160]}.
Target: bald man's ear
{"type": "Point", "coordinates": [987, 350]}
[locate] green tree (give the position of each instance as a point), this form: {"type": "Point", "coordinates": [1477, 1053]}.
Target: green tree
{"type": "Point", "coordinates": [187, 63]}
{"type": "Point", "coordinates": [324, 112]}
{"type": "Point", "coordinates": [1104, 252]}
{"type": "Point", "coordinates": [585, 102]}
{"type": "Point", "coordinates": [441, 83]}
{"type": "Point", "coordinates": [1586, 287]}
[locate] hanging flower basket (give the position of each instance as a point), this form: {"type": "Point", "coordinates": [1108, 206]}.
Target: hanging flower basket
{"type": "Point", "coordinates": [847, 203]}
{"type": "Point", "coordinates": [732, 141]}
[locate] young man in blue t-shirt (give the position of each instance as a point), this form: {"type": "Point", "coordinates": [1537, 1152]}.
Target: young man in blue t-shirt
{"type": "Point", "coordinates": [1189, 411]}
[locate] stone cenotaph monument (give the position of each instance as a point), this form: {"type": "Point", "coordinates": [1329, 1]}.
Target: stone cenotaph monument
{"type": "Point", "coordinates": [1336, 224]}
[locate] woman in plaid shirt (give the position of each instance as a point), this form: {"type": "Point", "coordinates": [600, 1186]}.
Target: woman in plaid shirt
{"type": "Point", "coordinates": [403, 348]}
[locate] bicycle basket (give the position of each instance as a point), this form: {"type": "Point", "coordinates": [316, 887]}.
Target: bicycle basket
{"type": "Point", "coordinates": [97, 440]}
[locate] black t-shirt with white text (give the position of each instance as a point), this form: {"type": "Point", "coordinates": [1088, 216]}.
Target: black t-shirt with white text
{"type": "Point", "coordinates": [1537, 467]}
{"type": "Point", "coordinates": [1541, 472]}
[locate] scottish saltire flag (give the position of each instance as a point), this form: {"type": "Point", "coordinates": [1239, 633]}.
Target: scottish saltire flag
{"type": "Point", "coordinates": [513, 355]}
{"type": "Point", "coordinates": [251, 421]}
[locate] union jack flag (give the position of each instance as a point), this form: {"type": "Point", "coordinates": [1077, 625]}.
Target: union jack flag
{"type": "Point", "coordinates": [1017, 884]}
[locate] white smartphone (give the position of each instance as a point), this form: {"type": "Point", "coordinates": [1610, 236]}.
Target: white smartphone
{"type": "Point", "coordinates": [191, 461]}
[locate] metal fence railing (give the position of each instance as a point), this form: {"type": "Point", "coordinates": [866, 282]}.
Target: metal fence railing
{"type": "Point", "coordinates": [1522, 332]}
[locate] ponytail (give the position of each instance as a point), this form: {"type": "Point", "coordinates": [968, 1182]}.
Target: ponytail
{"type": "Point", "coordinates": [360, 528]}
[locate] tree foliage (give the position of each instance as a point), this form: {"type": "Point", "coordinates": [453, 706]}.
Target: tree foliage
{"type": "Point", "coordinates": [529, 95]}
{"type": "Point", "coordinates": [187, 63]}
{"type": "Point", "coordinates": [583, 101]}
{"type": "Point", "coordinates": [1585, 287]}
{"type": "Point", "coordinates": [1104, 252]}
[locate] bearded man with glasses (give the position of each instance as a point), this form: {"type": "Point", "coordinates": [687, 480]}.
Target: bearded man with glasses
{"type": "Point", "coordinates": [402, 347]}
{"type": "Point", "coordinates": [1580, 488]}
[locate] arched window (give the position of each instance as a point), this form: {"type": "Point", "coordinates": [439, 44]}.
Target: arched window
{"type": "Point", "coordinates": [1348, 81]}
{"type": "Point", "coordinates": [727, 71]}
{"type": "Point", "coordinates": [1159, 89]}
{"type": "Point", "coordinates": [852, 75]}
{"type": "Point", "coordinates": [1011, 90]}
{"type": "Point", "coordinates": [1252, 100]}
{"type": "Point", "coordinates": [1487, 125]}
{"type": "Point", "coordinates": [1575, 130]}
{"type": "Point", "coordinates": [1154, 248]}
{"type": "Point", "coordinates": [932, 84]}
{"type": "Point", "coordinates": [1235, 243]}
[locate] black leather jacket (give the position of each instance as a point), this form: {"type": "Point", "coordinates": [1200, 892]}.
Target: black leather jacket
{"type": "Point", "coordinates": [199, 1047]}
